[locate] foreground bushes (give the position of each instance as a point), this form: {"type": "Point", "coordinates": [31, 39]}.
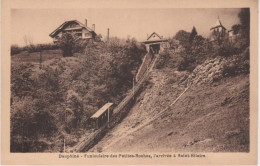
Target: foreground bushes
{"type": "Point", "coordinates": [239, 64]}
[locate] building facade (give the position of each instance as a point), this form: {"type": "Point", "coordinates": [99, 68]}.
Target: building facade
{"type": "Point", "coordinates": [76, 27]}
{"type": "Point", "coordinates": [155, 43]}
{"type": "Point", "coordinates": [218, 32]}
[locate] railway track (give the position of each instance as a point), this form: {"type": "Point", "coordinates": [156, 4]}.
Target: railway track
{"type": "Point", "coordinates": [94, 137]}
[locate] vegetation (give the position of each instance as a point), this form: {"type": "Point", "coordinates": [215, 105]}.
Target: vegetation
{"type": "Point", "coordinates": [55, 102]}
{"type": "Point", "coordinates": [194, 49]}
{"type": "Point", "coordinates": [70, 43]}
{"type": "Point", "coordinates": [15, 49]}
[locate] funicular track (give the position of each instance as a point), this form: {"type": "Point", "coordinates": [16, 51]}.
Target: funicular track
{"type": "Point", "coordinates": [96, 135]}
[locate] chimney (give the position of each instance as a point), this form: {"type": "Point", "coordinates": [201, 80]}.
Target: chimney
{"type": "Point", "coordinates": [93, 27]}
{"type": "Point", "coordinates": [107, 34]}
{"type": "Point", "coordinates": [86, 22]}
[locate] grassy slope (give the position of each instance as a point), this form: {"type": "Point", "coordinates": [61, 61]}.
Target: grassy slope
{"type": "Point", "coordinates": [86, 82]}
{"type": "Point", "coordinates": [209, 117]}
{"type": "Point", "coordinates": [35, 56]}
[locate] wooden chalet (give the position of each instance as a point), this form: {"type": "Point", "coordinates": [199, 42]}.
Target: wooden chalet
{"type": "Point", "coordinates": [76, 27]}
{"type": "Point", "coordinates": [102, 116]}
{"type": "Point", "coordinates": [155, 43]}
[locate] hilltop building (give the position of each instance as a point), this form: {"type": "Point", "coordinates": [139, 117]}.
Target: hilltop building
{"type": "Point", "coordinates": [74, 26]}
{"type": "Point", "coordinates": [156, 43]}
{"type": "Point", "coordinates": [218, 32]}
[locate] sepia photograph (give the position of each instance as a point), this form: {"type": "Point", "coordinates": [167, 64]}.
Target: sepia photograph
{"type": "Point", "coordinates": [137, 82]}
{"type": "Point", "coordinates": [112, 81]}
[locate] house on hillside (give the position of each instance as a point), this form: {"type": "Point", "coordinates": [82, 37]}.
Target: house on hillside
{"type": "Point", "coordinates": [218, 32]}
{"type": "Point", "coordinates": [156, 43]}
{"type": "Point", "coordinates": [76, 27]}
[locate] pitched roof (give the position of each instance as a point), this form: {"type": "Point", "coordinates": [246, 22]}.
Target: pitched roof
{"type": "Point", "coordinates": [102, 110]}
{"type": "Point", "coordinates": [67, 22]}
{"type": "Point", "coordinates": [154, 33]}
{"type": "Point", "coordinates": [161, 39]}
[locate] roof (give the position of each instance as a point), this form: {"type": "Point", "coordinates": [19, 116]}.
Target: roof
{"type": "Point", "coordinates": [102, 110]}
{"type": "Point", "coordinates": [67, 22]}
{"type": "Point", "coordinates": [218, 24]}
{"type": "Point", "coordinates": [154, 33]}
{"type": "Point", "coordinates": [160, 38]}
{"type": "Point", "coordinates": [154, 41]}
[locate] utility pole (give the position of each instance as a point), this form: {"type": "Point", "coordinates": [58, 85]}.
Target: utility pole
{"type": "Point", "coordinates": [133, 87]}
{"type": "Point", "coordinates": [64, 143]}
{"type": "Point", "coordinates": [108, 117]}
{"type": "Point", "coordinates": [40, 60]}
{"type": "Point", "coordinates": [64, 148]}
{"type": "Point", "coordinates": [108, 34]}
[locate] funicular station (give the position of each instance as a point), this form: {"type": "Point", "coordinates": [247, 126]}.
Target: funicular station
{"type": "Point", "coordinates": [102, 116]}
{"type": "Point", "coordinates": [155, 43]}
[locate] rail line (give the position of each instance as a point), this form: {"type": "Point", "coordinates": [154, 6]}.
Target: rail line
{"type": "Point", "coordinates": [91, 139]}
{"type": "Point", "coordinates": [148, 121]}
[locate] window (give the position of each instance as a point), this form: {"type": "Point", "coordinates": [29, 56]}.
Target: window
{"type": "Point", "coordinates": [87, 34]}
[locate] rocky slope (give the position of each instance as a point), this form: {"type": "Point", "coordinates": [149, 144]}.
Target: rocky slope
{"type": "Point", "coordinates": [212, 115]}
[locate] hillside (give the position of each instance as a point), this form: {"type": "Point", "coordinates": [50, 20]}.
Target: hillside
{"type": "Point", "coordinates": [51, 102]}
{"type": "Point", "coordinates": [211, 116]}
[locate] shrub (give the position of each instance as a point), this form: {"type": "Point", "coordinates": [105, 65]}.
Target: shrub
{"type": "Point", "coordinates": [164, 57]}
{"type": "Point", "coordinates": [28, 124]}
{"type": "Point", "coordinates": [70, 43]}
{"type": "Point", "coordinates": [15, 49]}
{"type": "Point", "coordinates": [21, 82]}
{"type": "Point", "coordinates": [239, 64]}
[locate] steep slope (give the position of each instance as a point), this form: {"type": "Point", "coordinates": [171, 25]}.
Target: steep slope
{"type": "Point", "coordinates": [211, 116]}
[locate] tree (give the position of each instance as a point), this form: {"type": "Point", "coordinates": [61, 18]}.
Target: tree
{"type": "Point", "coordinates": [69, 44]}
{"type": "Point", "coordinates": [183, 37]}
{"type": "Point", "coordinates": [244, 16]}
{"type": "Point", "coordinates": [236, 28]}
{"type": "Point", "coordinates": [98, 38]}
{"type": "Point", "coordinates": [193, 34]}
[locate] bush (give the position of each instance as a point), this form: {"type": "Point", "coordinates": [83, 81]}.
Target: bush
{"type": "Point", "coordinates": [239, 64]}
{"type": "Point", "coordinates": [164, 57]}
{"type": "Point", "coordinates": [70, 43]}
{"type": "Point", "coordinates": [28, 124]}
{"type": "Point", "coordinates": [15, 49]}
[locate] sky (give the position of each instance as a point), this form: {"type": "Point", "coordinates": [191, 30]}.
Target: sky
{"type": "Point", "coordinates": [37, 24]}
